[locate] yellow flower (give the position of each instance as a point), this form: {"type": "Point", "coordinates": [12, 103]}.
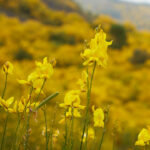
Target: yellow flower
{"type": "Point", "coordinates": [97, 51]}
{"type": "Point", "coordinates": [8, 68]}
{"type": "Point", "coordinates": [98, 117]}
{"type": "Point", "coordinates": [45, 69]}
{"type": "Point", "coordinates": [6, 103]}
{"type": "Point", "coordinates": [32, 77]}
{"type": "Point", "coordinates": [23, 105]}
{"type": "Point", "coordinates": [76, 114]}
{"type": "Point", "coordinates": [91, 134]}
{"type": "Point", "coordinates": [72, 99]}
{"type": "Point", "coordinates": [34, 81]}
{"type": "Point", "coordinates": [83, 81]}
{"type": "Point", "coordinates": [37, 86]}
{"type": "Point", "coordinates": [143, 137]}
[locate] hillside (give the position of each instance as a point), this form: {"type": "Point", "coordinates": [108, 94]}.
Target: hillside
{"type": "Point", "coordinates": [67, 5]}
{"type": "Point", "coordinates": [31, 30]}
{"type": "Point", "coordinates": [138, 14]}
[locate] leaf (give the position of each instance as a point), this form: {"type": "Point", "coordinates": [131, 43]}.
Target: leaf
{"type": "Point", "coordinates": [47, 100]}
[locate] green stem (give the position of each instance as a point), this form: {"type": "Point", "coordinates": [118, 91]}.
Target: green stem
{"type": "Point", "coordinates": [46, 134]}
{"type": "Point", "coordinates": [27, 131]}
{"type": "Point", "coordinates": [3, 94]}
{"type": "Point", "coordinates": [86, 140]}
{"type": "Point", "coordinates": [51, 134]}
{"type": "Point", "coordinates": [28, 121]}
{"type": "Point", "coordinates": [41, 90]}
{"type": "Point", "coordinates": [92, 76]}
{"type": "Point", "coordinates": [29, 114]}
{"type": "Point", "coordinates": [113, 144]}
{"type": "Point", "coordinates": [104, 130]}
{"type": "Point", "coordinates": [5, 126]}
{"type": "Point", "coordinates": [72, 121]}
{"type": "Point", "coordinates": [102, 138]}
{"type": "Point", "coordinates": [16, 132]}
{"type": "Point", "coordinates": [89, 88]}
{"type": "Point", "coordinates": [4, 132]}
{"type": "Point", "coordinates": [66, 131]}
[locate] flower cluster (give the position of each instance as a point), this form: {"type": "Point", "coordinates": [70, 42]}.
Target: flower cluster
{"type": "Point", "coordinates": [35, 79]}
{"type": "Point", "coordinates": [6, 104]}
{"type": "Point", "coordinates": [42, 72]}
{"type": "Point", "coordinates": [72, 101]}
{"type": "Point", "coordinates": [97, 50]}
{"type": "Point", "coordinates": [24, 105]}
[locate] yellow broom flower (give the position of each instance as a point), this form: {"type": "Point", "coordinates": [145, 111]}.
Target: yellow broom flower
{"type": "Point", "coordinates": [30, 80]}
{"type": "Point", "coordinates": [69, 114]}
{"type": "Point", "coordinates": [72, 99]}
{"type": "Point", "coordinates": [23, 105]}
{"type": "Point", "coordinates": [6, 103]}
{"type": "Point", "coordinates": [97, 51]}
{"type": "Point", "coordinates": [8, 68]}
{"type": "Point", "coordinates": [98, 117]}
{"type": "Point", "coordinates": [45, 69]}
{"type": "Point", "coordinates": [143, 137]}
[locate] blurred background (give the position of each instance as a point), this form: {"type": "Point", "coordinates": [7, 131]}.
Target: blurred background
{"type": "Point", "coordinates": [33, 29]}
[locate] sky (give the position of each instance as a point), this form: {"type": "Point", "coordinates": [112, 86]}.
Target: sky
{"type": "Point", "coordinates": [138, 1]}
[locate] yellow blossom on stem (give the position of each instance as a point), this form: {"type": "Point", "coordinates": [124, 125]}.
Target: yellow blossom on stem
{"type": "Point", "coordinates": [76, 113]}
{"type": "Point", "coordinates": [98, 117]}
{"type": "Point", "coordinates": [23, 105]}
{"type": "Point", "coordinates": [8, 68]}
{"type": "Point", "coordinates": [45, 69]}
{"type": "Point", "coordinates": [30, 80]}
{"type": "Point", "coordinates": [6, 103]}
{"type": "Point", "coordinates": [69, 114]}
{"type": "Point", "coordinates": [143, 137]}
{"type": "Point", "coordinates": [37, 86]}
{"type": "Point", "coordinates": [97, 50]}
{"type": "Point", "coordinates": [72, 99]}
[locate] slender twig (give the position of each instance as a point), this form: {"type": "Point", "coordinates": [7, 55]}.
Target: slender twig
{"type": "Point", "coordinates": [6, 78]}
{"type": "Point", "coordinates": [102, 138]}
{"type": "Point", "coordinates": [103, 132]}
{"type": "Point", "coordinates": [72, 122]}
{"type": "Point", "coordinates": [66, 131]}
{"type": "Point", "coordinates": [86, 139]}
{"type": "Point", "coordinates": [46, 133]}
{"type": "Point", "coordinates": [89, 88]}
{"type": "Point", "coordinates": [113, 144]}
{"type": "Point", "coordinates": [16, 133]}
{"type": "Point", "coordinates": [51, 134]}
{"type": "Point", "coordinates": [4, 132]}
{"type": "Point", "coordinates": [40, 90]}
{"type": "Point", "coordinates": [28, 121]}
{"type": "Point", "coordinates": [6, 120]}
